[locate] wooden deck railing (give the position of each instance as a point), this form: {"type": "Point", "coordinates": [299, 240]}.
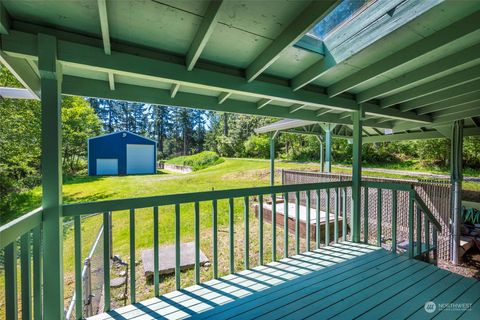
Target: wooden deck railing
{"type": "Point", "coordinates": [335, 193]}
{"type": "Point", "coordinates": [22, 237]}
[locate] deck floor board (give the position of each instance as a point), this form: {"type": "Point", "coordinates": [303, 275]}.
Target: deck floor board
{"type": "Point", "coordinates": [343, 281]}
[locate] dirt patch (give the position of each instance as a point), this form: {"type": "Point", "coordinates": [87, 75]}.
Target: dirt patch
{"type": "Point", "coordinates": [260, 174]}
{"type": "Point", "coordinates": [468, 267]}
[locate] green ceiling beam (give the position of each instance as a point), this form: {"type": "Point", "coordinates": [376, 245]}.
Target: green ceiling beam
{"type": "Point", "coordinates": [100, 89]}
{"type": "Point", "coordinates": [466, 107]}
{"type": "Point", "coordinates": [440, 96]}
{"type": "Point", "coordinates": [447, 36]}
{"type": "Point", "coordinates": [174, 90]}
{"type": "Point", "coordinates": [111, 81]}
{"type": "Point", "coordinates": [203, 34]}
{"type": "Point", "coordinates": [416, 136]}
{"type": "Point", "coordinates": [321, 112]}
{"type": "Point", "coordinates": [454, 61]}
{"type": "Point", "coordinates": [263, 102]}
{"type": "Point", "coordinates": [23, 44]}
{"type": "Point", "coordinates": [4, 20]}
{"type": "Point", "coordinates": [309, 17]}
{"type": "Point", "coordinates": [24, 73]}
{"type": "Point", "coordinates": [372, 25]}
{"type": "Point", "coordinates": [449, 118]}
{"type": "Point", "coordinates": [450, 103]}
{"type": "Point", "coordinates": [223, 97]}
{"type": "Point", "coordinates": [297, 107]}
{"type": "Point", "coordinates": [444, 83]}
{"type": "Point", "coordinates": [102, 11]}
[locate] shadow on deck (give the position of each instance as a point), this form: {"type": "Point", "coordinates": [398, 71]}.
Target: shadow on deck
{"type": "Point", "coordinates": [343, 281]}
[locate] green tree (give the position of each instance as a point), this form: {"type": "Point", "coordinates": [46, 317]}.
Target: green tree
{"type": "Point", "coordinates": [79, 123]}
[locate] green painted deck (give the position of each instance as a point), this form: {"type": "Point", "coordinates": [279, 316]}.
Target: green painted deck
{"type": "Point", "coordinates": [343, 281]}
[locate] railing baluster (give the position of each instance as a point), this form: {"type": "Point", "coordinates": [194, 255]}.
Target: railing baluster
{"type": "Point", "coordinates": [418, 246]}
{"type": "Point", "coordinates": [307, 194]}
{"type": "Point", "coordinates": [106, 260]}
{"type": "Point", "coordinates": [197, 242]}
{"type": "Point", "coordinates": [317, 218]}
{"type": "Point", "coordinates": [26, 271]}
{"type": "Point", "coordinates": [11, 302]}
{"type": "Point", "coordinates": [274, 227]}
{"type": "Point", "coordinates": [327, 217]}
{"type": "Point", "coordinates": [365, 214]}
{"type": "Point", "coordinates": [247, 231]}
{"type": "Point", "coordinates": [337, 209]}
{"type": "Point", "coordinates": [379, 217]}
{"type": "Point", "coordinates": [285, 224]}
{"type": "Point", "coordinates": [394, 221]}
{"type": "Point", "coordinates": [427, 237]}
{"type": "Point", "coordinates": [132, 256]}
{"type": "Point", "coordinates": [215, 238]}
{"type": "Point", "coordinates": [78, 268]}
{"type": "Point", "coordinates": [37, 273]}
{"type": "Point", "coordinates": [177, 246]}
{"type": "Point", "coordinates": [410, 223]}
{"type": "Point", "coordinates": [297, 222]}
{"type": "Point", "coordinates": [260, 228]}
{"type": "Point", "coordinates": [434, 239]}
{"type": "Point", "coordinates": [231, 230]}
{"type": "Point", "coordinates": [156, 281]}
{"type": "Point", "coordinates": [344, 214]}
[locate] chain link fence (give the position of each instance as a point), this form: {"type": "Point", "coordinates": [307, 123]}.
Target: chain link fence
{"type": "Point", "coordinates": [435, 194]}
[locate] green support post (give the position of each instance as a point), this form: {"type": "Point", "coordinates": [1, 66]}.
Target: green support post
{"type": "Point", "coordinates": [357, 172]}
{"type": "Point", "coordinates": [321, 152]}
{"type": "Point", "coordinates": [272, 158]}
{"type": "Point", "coordinates": [328, 148]}
{"type": "Point", "coordinates": [456, 182]}
{"type": "Point", "coordinates": [11, 290]}
{"type": "Point", "coordinates": [51, 143]}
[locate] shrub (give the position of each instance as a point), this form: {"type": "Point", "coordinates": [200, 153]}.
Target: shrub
{"type": "Point", "coordinates": [197, 161]}
{"type": "Point", "coordinates": [257, 147]}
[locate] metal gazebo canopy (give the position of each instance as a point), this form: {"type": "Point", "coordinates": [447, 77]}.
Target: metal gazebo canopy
{"type": "Point", "coordinates": [388, 64]}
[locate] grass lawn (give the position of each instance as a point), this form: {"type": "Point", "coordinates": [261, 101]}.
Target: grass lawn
{"type": "Point", "coordinates": [233, 173]}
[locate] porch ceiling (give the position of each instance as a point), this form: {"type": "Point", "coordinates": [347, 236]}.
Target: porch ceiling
{"type": "Point", "coordinates": [414, 64]}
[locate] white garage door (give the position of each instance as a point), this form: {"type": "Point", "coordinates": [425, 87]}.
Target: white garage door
{"type": "Point", "coordinates": [107, 167]}
{"type": "Point", "coordinates": [140, 158]}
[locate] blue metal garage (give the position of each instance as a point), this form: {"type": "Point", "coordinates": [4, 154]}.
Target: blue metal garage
{"type": "Point", "coordinates": [121, 153]}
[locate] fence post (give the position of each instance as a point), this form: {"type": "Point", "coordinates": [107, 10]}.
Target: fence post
{"type": "Point", "coordinates": [87, 286]}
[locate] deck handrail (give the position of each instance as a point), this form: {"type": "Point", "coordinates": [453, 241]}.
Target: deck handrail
{"type": "Point", "coordinates": [427, 211]}
{"type": "Point", "coordinates": [28, 230]}
{"type": "Point", "coordinates": [180, 198]}
{"type": "Point", "coordinates": [14, 229]}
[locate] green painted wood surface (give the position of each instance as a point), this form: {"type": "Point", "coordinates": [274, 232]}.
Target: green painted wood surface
{"type": "Point", "coordinates": [177, 247]}
{"type": "Point", "coordinates": [132, 257]}
{"type": "Point", "coordinates": [13, 230]}
{"type": "Point", "coordinates": [37, 273]}
{"type": "Point", "coordinates": [394, 220]}
{"type": "Point", "coordinates": [297, 222]}
{"type": "Point", "coordinates": [344, 214]}
{"type": "Point", "coordinates": [365, 215]}
{"type": "Point", "coordinates": [78, 268]}
{"type": "Point", "coordinates": [274, 227]}
{"type": "Point", "coordinates": [148, 202]}
{"type": "Point", "coordinates": [307, 222]}
{"type": "Point", "coordinates": [379, 217]}
{"type": "Point", "coordinates": [156, 280]}
{"type": "Point", "coordinates": [336, 213]}
{"type": "Point", "coordinates": [11, 301]}
{"type": "Point", "coordinates": [285, 225]}
{"type": "Point", "coordinates": [215, 238]}
{"type": "Point", "coordinates": [26, 276]}
{"type": "Point", "coordinates": [231, 222]}
{"type": "Point", "coordinates": [327, 217]}
{"type": "Point", "coordinates": [246, 206]}
{"type": "Point", "coordinates": [196, 222]}
{"type": "Point", "coordinates": [260, 229]}
{"type": "Point", "coordinates": [106, 260]}
{"type": "Point", "coordinates": [317, 219]}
